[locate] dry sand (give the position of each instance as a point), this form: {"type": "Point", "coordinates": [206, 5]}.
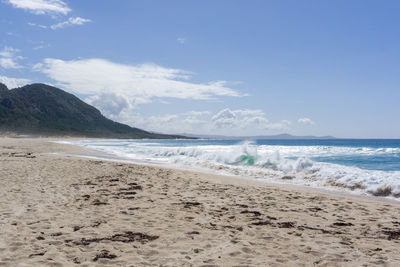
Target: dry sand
{"type": "Point", "coordinates": [62, 210]}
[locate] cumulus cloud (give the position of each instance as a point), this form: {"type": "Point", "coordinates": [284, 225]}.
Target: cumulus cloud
{"type": "Point", "coordinates": [225, 118]}
{"type": "Point", "coordinates": [246, 118]}
{"type": "Point", "coordinates": [226, 121]}
{"type": "Point", "coordinates": [13, 82]}
{"type": "Point", "coordinates": [305, 121]}
{"type": "Point", "coordinates": [9, 58]}
{"type": "Point", "coordinates": [70, 22]}
{"type": "Point", "coordinates": [41, 7]}
{"type": "Point", "coordinates": [138, 84]}
{"type": "Point", "coordinates": [111, 105]}
{"type": "Point", "coordinates": [256, 120]}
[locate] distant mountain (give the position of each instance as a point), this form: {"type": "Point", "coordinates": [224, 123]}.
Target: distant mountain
{"type": "Point", "coordinates": [46, 110]}
{"type": "Point", "coordinates": [260, 137]}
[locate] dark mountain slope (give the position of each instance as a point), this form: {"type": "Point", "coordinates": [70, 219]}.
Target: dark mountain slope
{"type": "Point", "coordinates": [43, 109]}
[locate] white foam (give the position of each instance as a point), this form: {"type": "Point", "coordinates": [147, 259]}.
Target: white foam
{"type": "Point", "coordinates": [262, 162]}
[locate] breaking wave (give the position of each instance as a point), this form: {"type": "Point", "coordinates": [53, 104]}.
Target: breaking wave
{"type": "Point", "coordinates": [355, 169]}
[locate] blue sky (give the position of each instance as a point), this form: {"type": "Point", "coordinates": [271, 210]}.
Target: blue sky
{"type": "Point", "coordinates": [215, 67]}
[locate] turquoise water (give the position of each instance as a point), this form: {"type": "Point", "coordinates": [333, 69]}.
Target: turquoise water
{"type": "Point", "coordinates": [372, 154]}
{"type": "Point", "coordinates": [373, 163]}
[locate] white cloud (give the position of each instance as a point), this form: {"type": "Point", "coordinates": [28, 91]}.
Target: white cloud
{"type": "Point", "coordinates": [250, 112]}
{"type": "Point", "coordinates": [181, 40]}
{"type": "Point", "coordinates": [9, 63]}
{"type": "Point", "coordinates": [118, 89]}
{"type": "Point", "coordinates": [8, 51]}
{"type": "Point", "coordinates": [13, 82]}
{"type": "Point", "coordinates": [256, 120]}
{"type": "Point", "coordinates": [41, 7]}
{"type": "Point", "coordinates": [50, 7]}
{"type": "Point", "coordinates": [246, 118]}
{"type": "Point", "coordinates": [306, 121]}
{"type": "Point", "coordinates": [70, 22]}
{"type": "Point", "coordinates": [226, 122]}
{"type": "Point", "coordinates": [224, 119]}
{"type": "Point", "coordinates": [8, 58]}
{"type": "Point", "coordinates": [137, 84]}
{"type": "Point", "coordinates": [111, 105]}
{"type": "Point", "coordinates": [37, 25]}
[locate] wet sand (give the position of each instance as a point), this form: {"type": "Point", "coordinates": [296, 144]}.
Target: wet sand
{"type": "Point", "coordinates": [62, 210]}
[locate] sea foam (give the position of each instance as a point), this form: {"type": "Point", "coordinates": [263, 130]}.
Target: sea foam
{"type": "Point", "coordinates": [312, 165]}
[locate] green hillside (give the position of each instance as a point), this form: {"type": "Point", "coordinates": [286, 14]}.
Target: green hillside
{"type": "Point", "coordinates": [46, 110]}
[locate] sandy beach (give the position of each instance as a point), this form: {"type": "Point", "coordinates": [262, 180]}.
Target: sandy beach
{"type": "Point", "coordinates": [63, 210]}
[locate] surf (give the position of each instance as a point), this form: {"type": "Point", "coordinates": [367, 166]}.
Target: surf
{"type": "Point", "coordinates": [356, 166]}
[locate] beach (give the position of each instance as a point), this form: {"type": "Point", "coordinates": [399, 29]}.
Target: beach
{"type": "Point", "coordinates": [61, 210]}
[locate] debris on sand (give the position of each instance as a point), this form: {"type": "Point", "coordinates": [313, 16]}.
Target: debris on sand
{"type": "Point", "coordinates": [104, 254]}
{"type": "Point", "coordinates": [126, 237]}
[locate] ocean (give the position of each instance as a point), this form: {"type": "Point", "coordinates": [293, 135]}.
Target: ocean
{"type": "Point", "coordinates": [360, 166]}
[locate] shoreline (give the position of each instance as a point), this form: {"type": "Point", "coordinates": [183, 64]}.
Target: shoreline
{"type": "Point", "coordinates": [97, 154]}
{"type": "Point", "coordinates": [67, 210]}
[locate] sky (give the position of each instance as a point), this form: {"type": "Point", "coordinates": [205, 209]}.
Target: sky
{"type": "Point", "coordinates": [257, 67]}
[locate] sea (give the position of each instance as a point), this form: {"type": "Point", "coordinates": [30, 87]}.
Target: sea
{"type": "Point", "coordinates": [359, 166]}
